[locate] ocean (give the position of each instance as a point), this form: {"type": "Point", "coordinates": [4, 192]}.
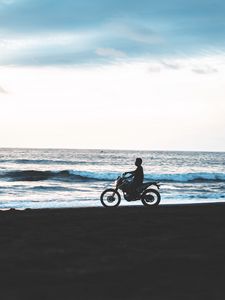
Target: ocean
{"type": "Point", "coordinates": [56, 178]}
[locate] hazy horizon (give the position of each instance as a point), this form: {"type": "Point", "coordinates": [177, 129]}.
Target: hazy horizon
{"type": "Point", "coordinates": [105, 149]}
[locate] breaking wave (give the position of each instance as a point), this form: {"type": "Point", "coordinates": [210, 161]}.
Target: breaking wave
{"type": "Point", "coordinates": [73, 175]}
{"type": "Point", "coordinates": [34, 175]}
{"type": "Point", "coordinates": [188, 177]}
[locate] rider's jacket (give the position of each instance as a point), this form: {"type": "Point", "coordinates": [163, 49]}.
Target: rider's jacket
{"type": "Point", "coordinates": [138, 176]}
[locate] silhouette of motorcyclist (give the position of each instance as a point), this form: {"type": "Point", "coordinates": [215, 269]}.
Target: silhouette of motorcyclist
{"type": "Point", "coordinates": [137, 175]}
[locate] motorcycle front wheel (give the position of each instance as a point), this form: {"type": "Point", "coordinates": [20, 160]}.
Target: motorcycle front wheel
{"type": "Point", "coordinates": [110, 198]}
{"type": "Point", "coordinates": [151, 197]}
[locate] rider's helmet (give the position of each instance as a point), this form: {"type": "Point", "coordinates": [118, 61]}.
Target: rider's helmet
{"type": "Point", "coordinates": [138, 162]}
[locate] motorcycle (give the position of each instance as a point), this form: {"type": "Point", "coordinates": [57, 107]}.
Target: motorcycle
{"type": "Point", "coordinates": [148, 193]}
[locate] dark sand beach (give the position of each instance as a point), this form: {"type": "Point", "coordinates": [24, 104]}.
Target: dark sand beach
{"type": "Point", "coordinates": [171, 252]}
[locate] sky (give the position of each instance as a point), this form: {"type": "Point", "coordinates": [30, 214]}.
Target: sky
{"type": "Point", "coordinates": [110, 74]}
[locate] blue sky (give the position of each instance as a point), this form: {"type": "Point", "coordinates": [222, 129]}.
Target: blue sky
{"type": "Point", "coordinates": [55, 32]}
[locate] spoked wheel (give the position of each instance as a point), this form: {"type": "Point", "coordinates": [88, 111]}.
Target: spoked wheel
{"type": "Point", "coordinates": [151, 197]}
{"type": "Point", "coordinates": [110, 198]}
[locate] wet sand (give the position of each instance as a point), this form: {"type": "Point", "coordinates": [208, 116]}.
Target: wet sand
{"type": "Point", "coordinates": [171, 252]}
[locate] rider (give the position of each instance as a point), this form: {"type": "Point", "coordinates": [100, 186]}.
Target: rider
{"type": "Point", "coordinates": [138, 175]}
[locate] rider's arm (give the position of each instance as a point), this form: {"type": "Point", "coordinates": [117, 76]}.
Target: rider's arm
{"type": "Point", "coordinates": [131, 172]}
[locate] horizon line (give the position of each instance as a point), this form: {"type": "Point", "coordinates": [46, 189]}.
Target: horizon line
{"type": "Point", "coordinates": [106, 149]}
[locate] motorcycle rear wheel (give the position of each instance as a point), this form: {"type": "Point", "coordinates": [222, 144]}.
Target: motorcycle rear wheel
{"type": "Point", "coordinates": [150, 197]}
{"type": "Point", "coordinates": [110, 198]}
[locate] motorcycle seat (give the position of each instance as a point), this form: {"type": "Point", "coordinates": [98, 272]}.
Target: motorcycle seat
{"type": "Point", "coordinates": [145, 185]}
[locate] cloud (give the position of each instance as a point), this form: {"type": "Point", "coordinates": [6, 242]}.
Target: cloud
{"type": "Point", "coordinates": [110, 52]}
{"type": "Point", "coordinates": [171, 65]}
{"type": "Point", "coordinates": [48, 48]}
{"type": "Point", "coordinates": [144, 36]}
{"type": "Point", "coordinates": [3, 91]}
{"type": "Point", "coordinates": [110, 41]}
{"type": "Point", "coordinates": [154, 69]}
{"type": "Point", "coordinates": [208, 64]}
{"type": "Point", "coordinates": [45, 41]}
{"type": "Point", "coordinates": [136, 31]}
{"type": "Point", "coordinates": [204, 70]}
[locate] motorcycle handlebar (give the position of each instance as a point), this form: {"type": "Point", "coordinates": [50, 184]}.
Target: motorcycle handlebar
{"type": "Point", "coordinates": [126, 173]}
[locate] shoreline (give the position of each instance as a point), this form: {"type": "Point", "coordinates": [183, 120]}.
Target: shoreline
{"type": "Point", "coordinates": [131, 252]}
{"type": "Point", "coordinates": [127, 204]}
